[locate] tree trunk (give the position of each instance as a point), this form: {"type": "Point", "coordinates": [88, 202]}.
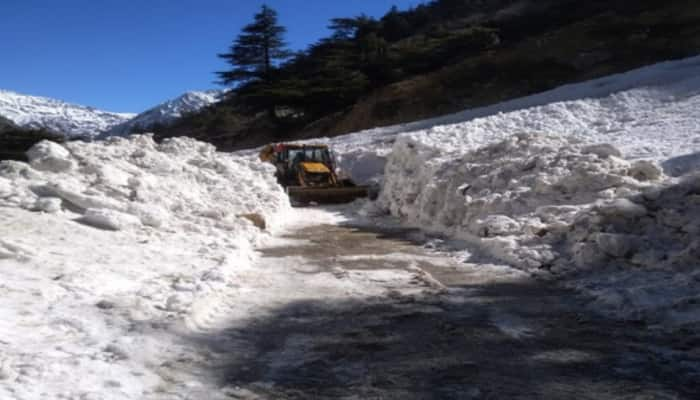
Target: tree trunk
{"type": "Point", "coordinates": [267, 60]}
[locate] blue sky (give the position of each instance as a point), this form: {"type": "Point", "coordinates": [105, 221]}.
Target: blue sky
{"type": "Point", "coordinates": [129, 55]}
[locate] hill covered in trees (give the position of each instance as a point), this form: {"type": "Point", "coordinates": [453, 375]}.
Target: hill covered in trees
{"type": "Point", "coordinates": [437, 58]}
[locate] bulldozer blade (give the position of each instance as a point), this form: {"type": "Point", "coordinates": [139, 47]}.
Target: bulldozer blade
{"type": "Point", "coordinates": [306, 195]}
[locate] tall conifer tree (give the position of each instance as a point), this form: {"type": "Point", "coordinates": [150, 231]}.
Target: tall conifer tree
{"type": "Point", "coordinates": [256, 51]}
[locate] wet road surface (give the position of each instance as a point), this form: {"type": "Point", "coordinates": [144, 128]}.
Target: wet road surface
{"type": "Point", "coordinates": [469, 332]}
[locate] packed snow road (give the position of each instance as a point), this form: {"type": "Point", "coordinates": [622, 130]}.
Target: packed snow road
{"type": "Point", "coordinates": [382, 313]}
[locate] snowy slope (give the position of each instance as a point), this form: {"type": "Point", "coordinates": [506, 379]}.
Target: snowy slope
{"type": "Point", "coordinates": [648, 113]}
{"type": "Point", "coordinates": [167, 112]}
{"type": "Point", "coordinates": [57, 116]}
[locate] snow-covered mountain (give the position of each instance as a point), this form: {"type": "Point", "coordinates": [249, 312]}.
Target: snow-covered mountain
{"type": "Point", "coordinates": [56, 115]}
{"type": "Point", "coordinates": [76, 120]}
{"type": "Point", "coordinates": [167, 112]}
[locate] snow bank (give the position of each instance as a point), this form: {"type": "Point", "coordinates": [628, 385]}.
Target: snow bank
{"type": "Point", "coordinates": [111, 251]}
{"type": "Point", "coordinates": [555, 207]}
{"type": "Point", "coordinates": [506, 196]}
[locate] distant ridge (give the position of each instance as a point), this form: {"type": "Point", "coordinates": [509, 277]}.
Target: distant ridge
{"type": "Point", "coordinates": [167, 112]}
{"type": "Point", "coordinates": [34, 112]}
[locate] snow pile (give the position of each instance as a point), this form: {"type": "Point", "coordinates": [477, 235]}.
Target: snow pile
{"type": "Point", "coordinates": [168, 112]}
{"type": "Point", "coordinates": [180, 182]}
{"type": "Point", "coordinates": [557, 208]}
{"type": "Point", "coordinates": [57, 116]}
{"type": "Point", "coordinates": [112, 252]}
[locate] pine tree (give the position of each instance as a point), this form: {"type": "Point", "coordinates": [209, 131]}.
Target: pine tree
{"type": "Point", "coordinates": [256, 51]}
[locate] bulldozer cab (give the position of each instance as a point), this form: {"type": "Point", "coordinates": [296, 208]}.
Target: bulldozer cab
{"type": "Point", "coordinates": [319, 154]}
{"type": "Point", "coordinates": [308, 154]}
{"type": "Point", "coordinates": [297, 164]}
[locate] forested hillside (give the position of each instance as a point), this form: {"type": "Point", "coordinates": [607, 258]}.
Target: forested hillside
{"type": "Point", "coordinates": [14, 141]}
{"type": "Point", "coordinates": [441, 57]}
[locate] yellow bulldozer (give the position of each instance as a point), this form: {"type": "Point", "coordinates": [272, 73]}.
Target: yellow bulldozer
{"type": "Point", "coordinates": [307, 172]}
